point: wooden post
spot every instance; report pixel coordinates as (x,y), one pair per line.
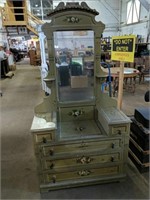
(120,89)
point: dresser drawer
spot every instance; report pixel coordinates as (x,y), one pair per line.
(58,164)
(113,121)
(119,129)
(43,137)
(78,174)
(77,113)
(79,147)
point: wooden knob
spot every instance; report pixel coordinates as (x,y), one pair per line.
(113,146)
(52,166)
(112,159)
(44,140)
(54,178)
(51,152)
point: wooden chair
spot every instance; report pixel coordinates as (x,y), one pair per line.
(37,60)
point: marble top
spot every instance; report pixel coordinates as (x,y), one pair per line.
(40,124)
(114,115)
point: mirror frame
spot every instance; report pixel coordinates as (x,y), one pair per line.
(72,17)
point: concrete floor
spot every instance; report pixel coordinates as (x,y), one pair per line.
(19,178)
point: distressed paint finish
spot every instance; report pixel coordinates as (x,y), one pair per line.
(89,141)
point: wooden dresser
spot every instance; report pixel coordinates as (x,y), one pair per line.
(85,159)
(79,136)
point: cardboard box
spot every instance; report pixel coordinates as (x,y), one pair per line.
(12,67)
(79,81)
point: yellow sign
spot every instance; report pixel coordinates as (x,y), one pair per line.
(123,48)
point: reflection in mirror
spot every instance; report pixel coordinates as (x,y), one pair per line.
(74,53)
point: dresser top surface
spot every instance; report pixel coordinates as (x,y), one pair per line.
(40,124)
(114,116)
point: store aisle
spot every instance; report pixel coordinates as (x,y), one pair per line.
(18,169)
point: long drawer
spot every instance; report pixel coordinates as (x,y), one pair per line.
(79,160)
(78,174)
(81,146)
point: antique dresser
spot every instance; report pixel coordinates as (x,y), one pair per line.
(79,135)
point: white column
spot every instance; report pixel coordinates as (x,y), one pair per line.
(1,28)
(44,67)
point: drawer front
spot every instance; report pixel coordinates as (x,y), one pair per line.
(79,174)
(119,129)
(82,146)
(58,164)
(43,137)
(77,113)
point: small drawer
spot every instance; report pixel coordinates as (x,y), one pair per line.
(118,130)
(83,173)
(74,113)
(43,137)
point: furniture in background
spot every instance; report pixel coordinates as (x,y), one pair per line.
(5,70)
(143,72)
(130,75)
(139,150)
(76,69)
(4,67)
(32,54)
(17,54)
(35,58)
(64,74)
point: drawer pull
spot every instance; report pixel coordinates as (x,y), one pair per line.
(119,132)
(44,140)
(79,128)
(113,145)
(54,178)
(84,172)
(112,158)
(51,166)
(83,145)
(51,152)
(84,160)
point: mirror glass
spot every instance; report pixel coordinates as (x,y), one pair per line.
(74,57)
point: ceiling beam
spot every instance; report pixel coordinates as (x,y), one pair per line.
(145,4)
(109,8)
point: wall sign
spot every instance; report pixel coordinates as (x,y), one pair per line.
(123,48)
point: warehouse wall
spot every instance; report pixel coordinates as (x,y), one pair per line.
(113,14)
(108,13)
(140,28)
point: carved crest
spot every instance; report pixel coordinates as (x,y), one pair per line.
(73,6)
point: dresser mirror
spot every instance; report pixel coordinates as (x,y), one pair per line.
(74,53)
(74,63)
(74,77)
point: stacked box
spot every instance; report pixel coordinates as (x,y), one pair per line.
(139,139)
